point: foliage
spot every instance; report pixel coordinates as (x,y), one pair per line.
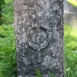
(70,50)
(8,1)
(1,6)
(51,74)
(73,2)
(7,12)
(38,74)
(7,52)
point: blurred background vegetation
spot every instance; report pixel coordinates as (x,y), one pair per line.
(8,67)
(7,40)
(73,2)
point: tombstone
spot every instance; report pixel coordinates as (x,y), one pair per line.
(70,14)
(39,37)
(70,19)
(66,6)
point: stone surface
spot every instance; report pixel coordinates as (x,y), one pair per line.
(39,37)
(70,18)
(70,14)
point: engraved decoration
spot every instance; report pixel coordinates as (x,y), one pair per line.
(38,38)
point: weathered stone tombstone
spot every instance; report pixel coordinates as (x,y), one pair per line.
(39,37)
(70,18)
(70,14)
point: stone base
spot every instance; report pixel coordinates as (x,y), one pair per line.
(70,18)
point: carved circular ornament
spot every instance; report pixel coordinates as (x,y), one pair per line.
(38,38)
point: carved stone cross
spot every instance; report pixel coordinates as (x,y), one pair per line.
(39,37)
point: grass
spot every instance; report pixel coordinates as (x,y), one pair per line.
(70,50)
(7,51)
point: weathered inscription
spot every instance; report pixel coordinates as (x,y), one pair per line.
(38,38)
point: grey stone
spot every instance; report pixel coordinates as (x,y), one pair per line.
(39,37)
(70,14)
(70,18)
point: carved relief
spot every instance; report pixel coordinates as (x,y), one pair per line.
(38,37)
